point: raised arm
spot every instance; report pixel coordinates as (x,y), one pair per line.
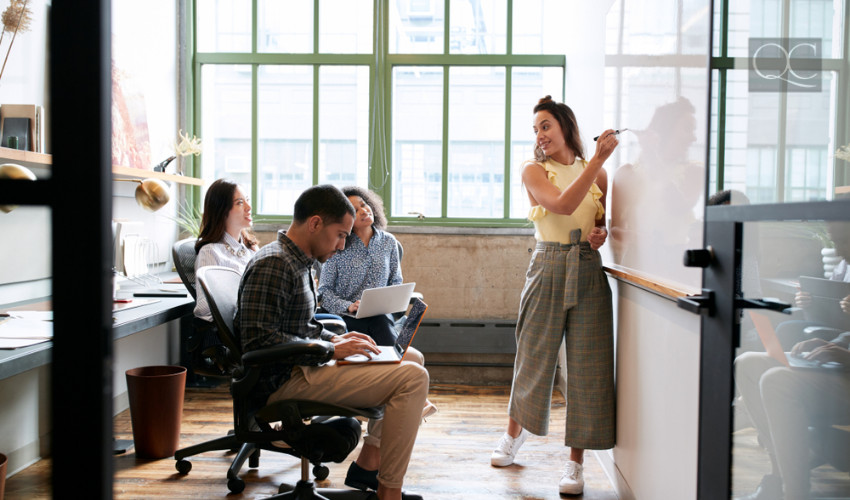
(544,193)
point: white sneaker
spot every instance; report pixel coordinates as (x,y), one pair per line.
(572,480)
(506,450)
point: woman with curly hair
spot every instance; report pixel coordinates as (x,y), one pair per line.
(370,260)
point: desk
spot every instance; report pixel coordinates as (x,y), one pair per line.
(128,322)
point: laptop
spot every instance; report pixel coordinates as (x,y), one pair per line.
(826,295)
(773,347)
(394,353)
(384,300)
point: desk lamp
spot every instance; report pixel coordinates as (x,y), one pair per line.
(151,194)
(13,171)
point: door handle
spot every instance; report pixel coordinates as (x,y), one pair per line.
(700,257)
(698,304)
(765,303)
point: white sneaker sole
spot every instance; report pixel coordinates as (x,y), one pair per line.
(571,490)
(501,461)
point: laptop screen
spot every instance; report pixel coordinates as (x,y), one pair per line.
(414,317)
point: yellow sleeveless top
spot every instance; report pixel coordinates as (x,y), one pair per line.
(556,227)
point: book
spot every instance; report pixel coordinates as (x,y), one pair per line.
(16,130)
(36,125)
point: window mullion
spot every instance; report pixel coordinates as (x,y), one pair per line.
(506,178)
(444,210)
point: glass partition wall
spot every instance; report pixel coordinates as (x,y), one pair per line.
(775,327)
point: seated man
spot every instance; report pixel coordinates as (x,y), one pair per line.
(781,402)
(277,304)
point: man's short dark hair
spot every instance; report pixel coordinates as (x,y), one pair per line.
(326,201)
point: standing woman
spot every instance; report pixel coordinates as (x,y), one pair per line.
(224,240)
(370,260)
(566,296)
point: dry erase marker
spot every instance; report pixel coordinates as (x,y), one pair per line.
(616,132)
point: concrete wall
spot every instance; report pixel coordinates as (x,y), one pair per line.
(463,276)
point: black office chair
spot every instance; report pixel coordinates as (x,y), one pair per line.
(322,440)
(183,253)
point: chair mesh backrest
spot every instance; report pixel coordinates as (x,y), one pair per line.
(184,256)
(221,286)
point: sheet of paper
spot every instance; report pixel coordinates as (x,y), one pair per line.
(14,328)
(16,343)
(36,315)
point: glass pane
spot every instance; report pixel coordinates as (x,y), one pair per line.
(657,171)
(528,85)
(417,140)
(476,165)
(226,122)
(478,27)
(344,125)
(792,386)
(416,27)
(537,27)
(804,166)
(662,31)
(285,27)
(808,18)
(284,136)
(223,25)
(345,26)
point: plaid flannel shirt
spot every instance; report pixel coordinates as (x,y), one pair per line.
(277,304)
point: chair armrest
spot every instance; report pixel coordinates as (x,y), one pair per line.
(295,351)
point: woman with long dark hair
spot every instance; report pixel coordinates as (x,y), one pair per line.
(566,297)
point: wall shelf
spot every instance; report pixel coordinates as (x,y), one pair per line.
(138,173)
(25,156)
(16,155)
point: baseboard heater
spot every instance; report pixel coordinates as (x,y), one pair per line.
(466,336)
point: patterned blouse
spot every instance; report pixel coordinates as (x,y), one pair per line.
(229,252)
(358,267)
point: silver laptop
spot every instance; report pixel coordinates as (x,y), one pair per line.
(395,353)
(384,300)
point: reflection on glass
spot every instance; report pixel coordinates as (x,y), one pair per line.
(226,122)
(223,25)
(478,27)
(660,31)
(416,27)
(537,27)
(417,140)
(476,165)
(661,183)
(345,26)
(528,85)
(754,160)
(284,26)
(792,372)
(344,125)
(285,136)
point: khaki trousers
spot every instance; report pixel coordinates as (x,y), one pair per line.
(400,388)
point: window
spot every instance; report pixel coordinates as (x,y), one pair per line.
(777,147)
(429,106)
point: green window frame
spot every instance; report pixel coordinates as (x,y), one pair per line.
(381,65)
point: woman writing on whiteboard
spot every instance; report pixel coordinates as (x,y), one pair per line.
(370,260)
(566,297)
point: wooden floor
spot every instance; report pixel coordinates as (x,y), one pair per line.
(451,459)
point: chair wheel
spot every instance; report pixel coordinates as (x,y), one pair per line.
(235,485)
(321,472)
(254,459)
(183,466)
